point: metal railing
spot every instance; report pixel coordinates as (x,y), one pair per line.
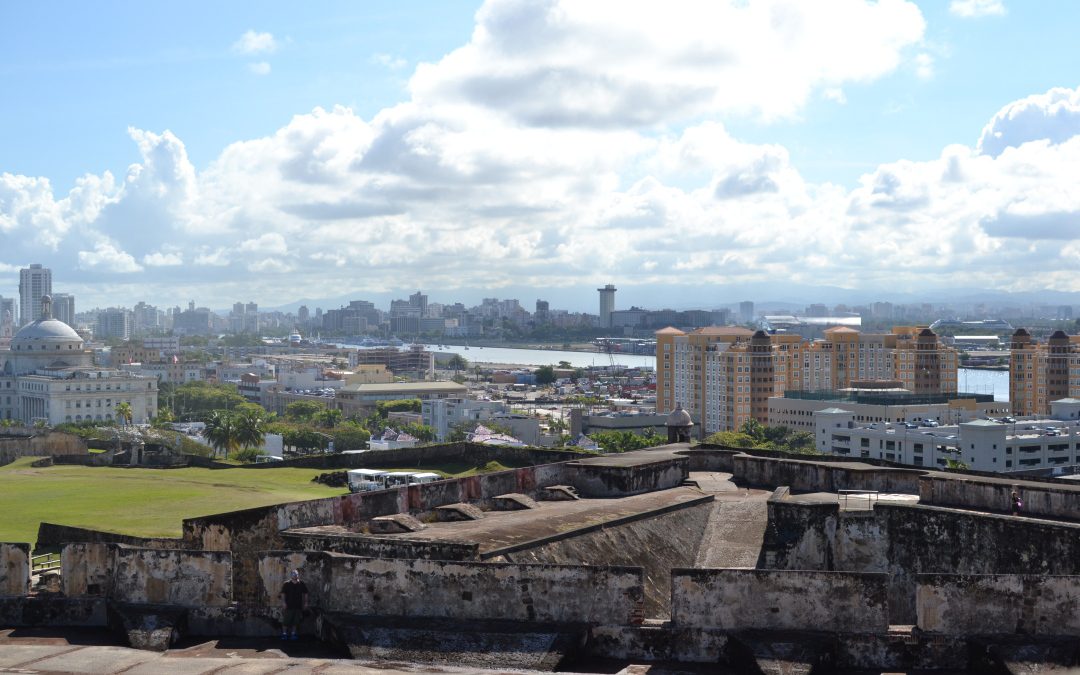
(853,499)
(46,562)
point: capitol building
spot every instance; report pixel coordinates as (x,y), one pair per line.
(47,375)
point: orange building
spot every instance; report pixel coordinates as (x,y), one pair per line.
(1041,373)
(725,376)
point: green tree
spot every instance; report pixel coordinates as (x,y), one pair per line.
(421,432)
(624,441)
(124,413)
(730,439)
(196,400)
(545,374)
(246,455)
(564,365)
(163,420)
(303,411)
(754,429)
(384,408)
(250,428)
(457,362)
(350,436)
(222,432)
(328,418)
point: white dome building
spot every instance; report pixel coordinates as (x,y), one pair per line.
(48,375)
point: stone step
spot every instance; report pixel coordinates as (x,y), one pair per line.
(559,493)
(457,512)
(397,523)
(514,501)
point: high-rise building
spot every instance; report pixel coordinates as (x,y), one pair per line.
(63,308)
(1042,372)
(113,323)
(607,304)
(7,317)
(725,376)
(34,282)
(543,311)
(746,311)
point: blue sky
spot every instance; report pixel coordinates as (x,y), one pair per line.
(263,151)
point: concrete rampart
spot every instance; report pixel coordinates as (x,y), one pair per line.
(812,476)
(179,578)
(742,599)
(904,541)
(483,591)
(954,604)
(428,455)
(611,478)
(14,570)
(51,535)
(711,458)
(994,494)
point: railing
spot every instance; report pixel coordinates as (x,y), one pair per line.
(853,499)
(46,562)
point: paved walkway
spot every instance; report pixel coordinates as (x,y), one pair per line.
(736,527)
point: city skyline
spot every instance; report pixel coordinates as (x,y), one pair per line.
(711,153)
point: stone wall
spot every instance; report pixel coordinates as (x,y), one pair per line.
(1056,500)
(606,480)
(426,456)
(905,541)
(656,542)
(483,591)
(51,535)
(18,442)
(954,604)
(742,599)
(180,578)
(14,570)
(810,476)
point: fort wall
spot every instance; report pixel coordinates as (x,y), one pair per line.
(742,599)
(995,604)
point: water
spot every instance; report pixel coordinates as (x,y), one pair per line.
(977,381)
(544,357)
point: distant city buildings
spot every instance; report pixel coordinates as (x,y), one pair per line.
(63,305)
(1042,372)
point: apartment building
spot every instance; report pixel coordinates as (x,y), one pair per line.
(724,376)
(1042,372)
(795,409)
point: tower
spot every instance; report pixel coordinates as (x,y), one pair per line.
(34,282)
(63,308)
(607,304)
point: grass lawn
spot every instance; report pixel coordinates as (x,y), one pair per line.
(152,502)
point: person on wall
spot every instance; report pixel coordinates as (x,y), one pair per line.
(295,594)
(1017,504)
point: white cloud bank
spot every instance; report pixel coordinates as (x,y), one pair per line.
(568,144)
(253,42)
(971,9)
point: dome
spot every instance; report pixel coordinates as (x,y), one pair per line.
(46,331)
(679,417)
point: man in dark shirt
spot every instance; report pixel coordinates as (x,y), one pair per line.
(295,594)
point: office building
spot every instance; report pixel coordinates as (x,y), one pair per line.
(607,304)
(34,283)
(746,311)
(1038,445)
(113,323)
(8,317)
(63,307)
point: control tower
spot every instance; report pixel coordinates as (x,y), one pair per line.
(607,304)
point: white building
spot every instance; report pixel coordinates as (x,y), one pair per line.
(796,411)
(1033,445)
(34,283)
(443,414)
(48,375)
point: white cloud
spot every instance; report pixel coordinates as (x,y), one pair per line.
(1053,117)
(924,66)
(835,94)
(970,9)
(631,63)
(253,42)
(389,61)
(259,68)
(162,259)
(105,255)
(449,190)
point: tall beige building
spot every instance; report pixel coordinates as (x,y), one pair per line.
(1042,372)
(724,376)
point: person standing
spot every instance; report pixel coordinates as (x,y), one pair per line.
(294,593)
(1017,504)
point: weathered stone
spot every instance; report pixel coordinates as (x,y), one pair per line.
(514,502)
(395,524)
(457,512)
(558,493)
(14,570)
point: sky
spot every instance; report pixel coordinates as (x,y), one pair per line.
(223,152)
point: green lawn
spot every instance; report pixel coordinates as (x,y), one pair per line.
(151,502)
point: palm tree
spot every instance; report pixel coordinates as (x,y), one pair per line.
(124,413)
(222,431)
(329,418)
(250,429)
